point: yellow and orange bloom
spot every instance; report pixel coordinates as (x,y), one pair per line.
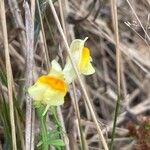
(81,57)
(49,89)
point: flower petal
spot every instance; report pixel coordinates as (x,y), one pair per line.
(53,97)
(88,69)
(56,70)
(69,72)
(53,82)
(48,90)
(84,64)
(37,91)
(84,58)
(76,48)
(56,65)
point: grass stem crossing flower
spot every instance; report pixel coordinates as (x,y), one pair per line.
(81,57)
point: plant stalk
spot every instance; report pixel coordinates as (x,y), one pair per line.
(43,128)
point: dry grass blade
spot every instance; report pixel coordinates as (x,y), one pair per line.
(62,17)
(44,37)
(9,73)
(33,9)
(29,74)
(33,2)
(18,22)
(76,108)
(115,23)
(118,64)
(59,109)
(138,19)
(65,138)
(80,81)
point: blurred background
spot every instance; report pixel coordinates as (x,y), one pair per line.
(32,31)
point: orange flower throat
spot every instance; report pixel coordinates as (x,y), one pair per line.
(53,82)
(85,56)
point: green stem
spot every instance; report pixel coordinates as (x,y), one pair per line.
(115,121)
(43,128)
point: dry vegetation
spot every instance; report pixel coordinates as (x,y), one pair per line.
(79,19)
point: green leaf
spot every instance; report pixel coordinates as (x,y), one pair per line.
(57,142)
(39,144)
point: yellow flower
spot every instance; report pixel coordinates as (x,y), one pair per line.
(49,89)
(81,57)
